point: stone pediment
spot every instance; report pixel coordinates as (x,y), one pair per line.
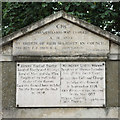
(61,35)
(60,38)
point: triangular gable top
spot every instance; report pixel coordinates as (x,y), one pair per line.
(58,15)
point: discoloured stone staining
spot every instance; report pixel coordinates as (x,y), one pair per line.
(112,83)
(8,85)
(0,90)
(7,49)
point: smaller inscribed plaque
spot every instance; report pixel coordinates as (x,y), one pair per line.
(60,84)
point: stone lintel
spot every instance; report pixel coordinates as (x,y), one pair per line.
(54,58)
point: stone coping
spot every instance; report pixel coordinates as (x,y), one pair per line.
(52,18)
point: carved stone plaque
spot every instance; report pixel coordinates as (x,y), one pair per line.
(61,38)
(60,84)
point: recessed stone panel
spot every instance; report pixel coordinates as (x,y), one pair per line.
(61,38)
(60,84)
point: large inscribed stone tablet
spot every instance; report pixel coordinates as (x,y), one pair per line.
(61,38)
(60,84)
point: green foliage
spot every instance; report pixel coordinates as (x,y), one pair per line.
(18,15)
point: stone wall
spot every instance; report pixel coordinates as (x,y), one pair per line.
(89,36)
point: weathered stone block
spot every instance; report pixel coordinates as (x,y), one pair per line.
(112,83)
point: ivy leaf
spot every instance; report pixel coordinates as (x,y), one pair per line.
(44,4)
